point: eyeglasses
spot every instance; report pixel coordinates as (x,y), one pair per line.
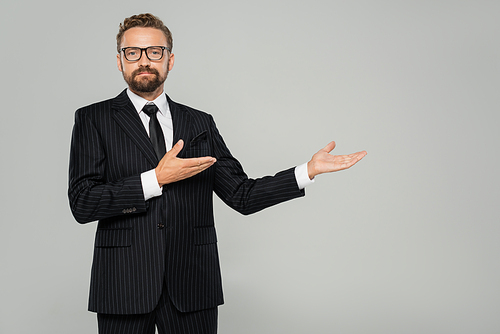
(152,52)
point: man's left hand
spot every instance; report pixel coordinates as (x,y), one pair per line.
(324,162)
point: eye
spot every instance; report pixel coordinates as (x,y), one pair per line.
(155,51)
(131,52)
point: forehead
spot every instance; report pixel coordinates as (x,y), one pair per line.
(143,37)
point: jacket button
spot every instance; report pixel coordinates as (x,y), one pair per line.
(160,226)
(129,210)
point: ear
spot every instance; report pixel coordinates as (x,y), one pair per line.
(119,63)
(171,60)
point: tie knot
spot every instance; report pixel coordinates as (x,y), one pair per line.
(150,109)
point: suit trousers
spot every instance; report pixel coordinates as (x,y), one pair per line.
(166,317)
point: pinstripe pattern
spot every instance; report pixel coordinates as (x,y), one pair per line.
(166,318)
(133,253)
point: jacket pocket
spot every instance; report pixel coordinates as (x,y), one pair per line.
(113,237)
(201,137)
(205,235)
(198,146)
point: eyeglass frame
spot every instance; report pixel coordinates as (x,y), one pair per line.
(163,48)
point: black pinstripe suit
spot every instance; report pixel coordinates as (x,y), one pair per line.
(141,244)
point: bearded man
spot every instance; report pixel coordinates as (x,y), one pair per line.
(146,168)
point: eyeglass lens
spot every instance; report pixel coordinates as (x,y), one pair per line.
(153,53)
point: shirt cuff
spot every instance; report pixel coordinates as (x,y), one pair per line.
(302,176)
(150,186)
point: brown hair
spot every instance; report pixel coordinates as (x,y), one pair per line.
(143,21)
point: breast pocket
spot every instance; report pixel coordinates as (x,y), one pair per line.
(198,146)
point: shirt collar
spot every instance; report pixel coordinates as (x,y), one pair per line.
(140,102)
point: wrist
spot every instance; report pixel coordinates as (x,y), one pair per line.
(310,170)
(158,178)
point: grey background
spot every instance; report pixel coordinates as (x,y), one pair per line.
(405,242)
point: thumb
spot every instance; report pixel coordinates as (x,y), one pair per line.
(328,148)
(177,148)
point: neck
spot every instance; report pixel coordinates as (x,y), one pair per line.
(150,96)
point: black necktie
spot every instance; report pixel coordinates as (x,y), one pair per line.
(155,133)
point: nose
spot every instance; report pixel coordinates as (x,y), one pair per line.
(144,60)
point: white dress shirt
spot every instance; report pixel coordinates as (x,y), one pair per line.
(150,186)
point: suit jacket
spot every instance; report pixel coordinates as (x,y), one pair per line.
(141,244)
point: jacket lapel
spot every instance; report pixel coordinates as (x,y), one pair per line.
(181,122)
(127,118)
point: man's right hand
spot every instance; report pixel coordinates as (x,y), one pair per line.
(172,169)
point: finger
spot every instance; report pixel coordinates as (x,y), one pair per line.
(206,164)
(200,166)
(177,148)
(356,157)
(197,162)
(359,155)
(328,148)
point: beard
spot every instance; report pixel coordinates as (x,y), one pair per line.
(147,84)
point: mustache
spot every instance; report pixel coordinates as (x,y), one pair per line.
(144,69)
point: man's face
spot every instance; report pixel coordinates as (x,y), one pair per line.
(145,77)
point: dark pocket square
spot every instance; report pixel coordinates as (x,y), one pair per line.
(199,138)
